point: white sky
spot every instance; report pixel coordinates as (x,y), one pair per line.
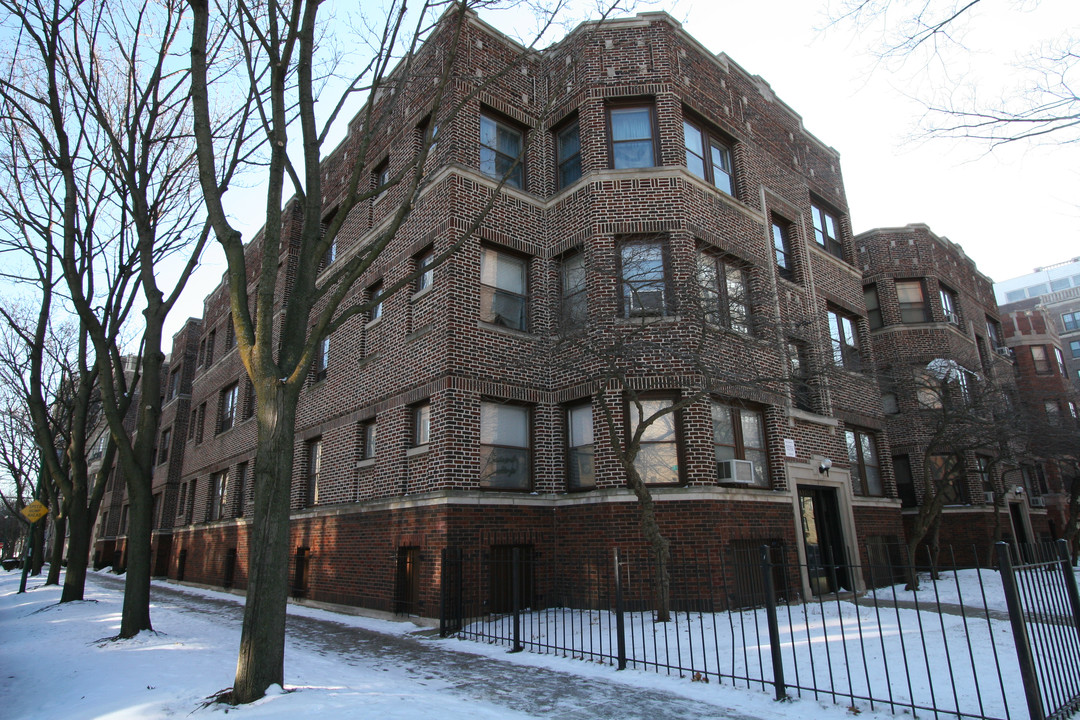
(1011,209)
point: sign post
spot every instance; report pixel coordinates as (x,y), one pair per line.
(32,512)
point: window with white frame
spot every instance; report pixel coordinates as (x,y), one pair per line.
(949,306)
(845,340)
(424,265)
(503,289)
(421,424)
(314,470)
(219,495)
(708,156)
(322,359)
(368,432)
(574,306)
(501,146)
(227,407)
(504,447)
(827,229)
(579,453)
(657,460)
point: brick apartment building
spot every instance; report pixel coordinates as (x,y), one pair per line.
(658,180)
(1051,403)
(1056,290)
(937,338)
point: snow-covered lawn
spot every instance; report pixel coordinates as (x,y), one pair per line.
(56,663)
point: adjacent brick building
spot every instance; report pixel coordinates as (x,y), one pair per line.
(941,354)
(665,196)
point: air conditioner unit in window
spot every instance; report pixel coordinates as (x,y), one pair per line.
(988,498)
(1004,351)
(1036,501)
(735,471)
(953,318)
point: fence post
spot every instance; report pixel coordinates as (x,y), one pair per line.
(620,622)
(516,580)
(1070,579)
(1020,636)
(774,628)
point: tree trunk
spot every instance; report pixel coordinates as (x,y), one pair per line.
(37,553)
(78,546)
(261,662)
(136,613)
(660,545)
(56,558)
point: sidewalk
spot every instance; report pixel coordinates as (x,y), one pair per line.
(520,688)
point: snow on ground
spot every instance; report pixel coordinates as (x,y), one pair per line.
(56,662)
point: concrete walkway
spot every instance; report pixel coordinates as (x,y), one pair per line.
(540,692)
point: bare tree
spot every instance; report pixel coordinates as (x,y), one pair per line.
(413,57)
(103,105)
(1042,107)
(670,344)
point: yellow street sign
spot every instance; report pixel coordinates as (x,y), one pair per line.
(35,511)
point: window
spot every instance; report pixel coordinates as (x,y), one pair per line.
(574,307)
(200,422)
(322,359)
(948,306)
(1040,359)
(993,331)
(367,440)
(909,293)
(724,294)
(181,502)
(250,401)
(1060,361)
(1074,410)
(946,472)
(982,469)
(873,307)
(163,447)
(373,292)
(862,454)
(227,407)
(219,495)
(568,153)
(657,460)
(174,384)
(427,270)
(210,347)
(631,137)
(845,340)
(421,417)
(503,289)
(380,178)
(330,255)
(802,393)
(1071,321)
(890,404)
(1074,348)
(827,229)
(241,482)
(580,473)
(905,482)
(501,151)
(781,236)
(739,434)
(643,279)
(504,446)
(230,334)
(191,499)
(1053,411)
(202,352)
(708,157)
(314,468)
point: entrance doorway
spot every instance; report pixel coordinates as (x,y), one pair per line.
(823,540)
(1023,542)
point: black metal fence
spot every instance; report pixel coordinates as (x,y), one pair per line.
(757,616)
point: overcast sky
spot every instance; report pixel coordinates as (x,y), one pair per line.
(1011,209)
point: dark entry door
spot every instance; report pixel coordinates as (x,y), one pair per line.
(823,540)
